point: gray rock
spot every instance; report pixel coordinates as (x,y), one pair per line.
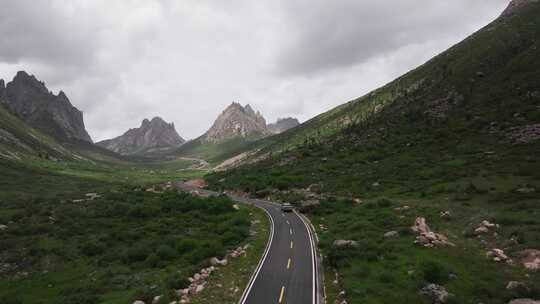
(524,301)
(236,121)
(436,293)
(345,243)
(391,234)
(515,285)
(282,125)
(151,136)
(30,100)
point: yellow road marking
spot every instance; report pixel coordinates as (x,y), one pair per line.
(281,294)
(291,244)
(290,230)
(289,264)
(288,223)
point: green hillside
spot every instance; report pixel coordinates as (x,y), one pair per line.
(215,153)
(18,140)
(461,134)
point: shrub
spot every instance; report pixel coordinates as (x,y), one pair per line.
(166,252)
(384,203)
(434,272)
(176,281)
(92,248)
(185,246)
(136,253)
(152,260)
(387,277)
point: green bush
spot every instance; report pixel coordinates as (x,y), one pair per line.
(166,252)
(434,272)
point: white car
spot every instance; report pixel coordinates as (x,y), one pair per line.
(286,207)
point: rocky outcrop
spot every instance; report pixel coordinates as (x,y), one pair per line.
(515,6)
(436,293)
(530,259)
(428,238)
(151,136)
(498,255)
(524,301)
(282,125)
(30,100)
(345,244)
(236,121)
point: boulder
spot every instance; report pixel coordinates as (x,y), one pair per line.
(217,262)
(524,301)
(420,226)
(446,215)
(156,299)
(498,255)
(481,230)
(428,238)
(345,243)
(391,234)
(530,259)
(199,288)
(3,227)
(403,209)
(515,285)
(138,302)
(436,293)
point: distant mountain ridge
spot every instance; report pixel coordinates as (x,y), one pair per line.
(153,135)
(242,121)
(282,125)
(236,121)
(30,100)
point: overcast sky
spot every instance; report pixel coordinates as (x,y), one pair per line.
(186,60)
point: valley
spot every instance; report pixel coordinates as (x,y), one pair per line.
(425,190)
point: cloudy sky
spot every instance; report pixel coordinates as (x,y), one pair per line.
(186,60)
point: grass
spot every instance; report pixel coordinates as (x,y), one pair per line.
(215,153)
(227,285)
(127,245)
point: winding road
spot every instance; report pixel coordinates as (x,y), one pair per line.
(288,270)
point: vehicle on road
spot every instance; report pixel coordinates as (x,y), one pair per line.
(286,207)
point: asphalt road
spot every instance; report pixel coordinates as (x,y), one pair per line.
(287,272)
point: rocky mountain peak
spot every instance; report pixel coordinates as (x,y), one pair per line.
(153,135)
(29,99)
(516,5)
(282,125)
(236,121)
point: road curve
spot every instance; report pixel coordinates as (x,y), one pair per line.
(287,272)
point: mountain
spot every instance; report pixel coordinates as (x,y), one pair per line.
(18,140)
(153,135)
(236,121)
(29,99)
(454,142)
(282,125)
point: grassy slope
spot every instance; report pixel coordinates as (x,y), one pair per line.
(113,249)
(19,139)
(216,153)
(462,161)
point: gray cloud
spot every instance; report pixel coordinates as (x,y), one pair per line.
(322,36)
(122,61)
(40,31)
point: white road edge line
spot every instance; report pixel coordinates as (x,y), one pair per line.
(315,277)
(263,259)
